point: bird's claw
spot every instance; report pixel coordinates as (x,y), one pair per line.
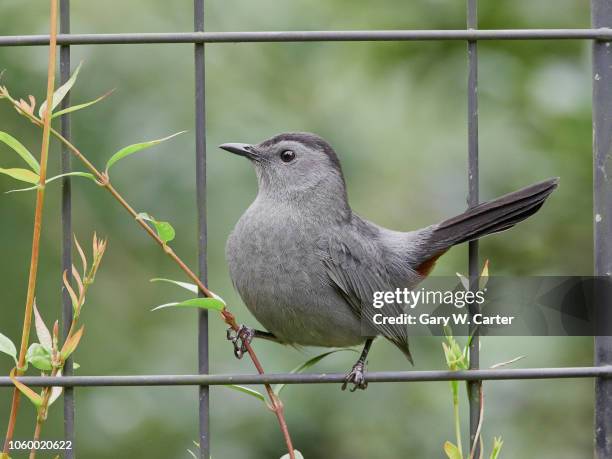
(356,377)
(240,338)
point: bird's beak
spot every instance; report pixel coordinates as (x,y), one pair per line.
(241,149)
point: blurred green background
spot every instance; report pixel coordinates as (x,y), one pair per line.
(396,114)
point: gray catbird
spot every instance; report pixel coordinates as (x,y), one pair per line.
(307,266)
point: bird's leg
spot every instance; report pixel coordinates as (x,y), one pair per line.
(267,336)
(245,335)
(357,374)
(240,338)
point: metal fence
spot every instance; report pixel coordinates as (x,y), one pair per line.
(600,33)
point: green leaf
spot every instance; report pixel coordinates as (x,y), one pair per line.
(52,179)
(508,362)
(60,92)
(484,275)
(187,286)
(204,303)
(56,391)
(42,332)
(71,344)
(164,230)
(74,108)
(497,445)
(456,357)
(35,398)
(451,450)
(145,216)
(7,347)
(306,365)
(247,390)
(482,280)
(131,149)
(39,356)
(25,175)
(296,453)
(20,150)
(72,174)
(465,282)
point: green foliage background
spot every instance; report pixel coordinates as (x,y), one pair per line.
(396,114)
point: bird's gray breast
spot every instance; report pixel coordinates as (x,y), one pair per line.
(275,259)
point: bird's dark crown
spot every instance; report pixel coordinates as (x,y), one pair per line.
(309,140)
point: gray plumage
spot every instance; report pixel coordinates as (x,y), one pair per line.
(307,266)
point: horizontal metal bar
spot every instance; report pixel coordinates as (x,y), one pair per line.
(313,378)
(301,36)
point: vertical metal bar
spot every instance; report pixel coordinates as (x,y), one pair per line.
(474,387)
(200,121)
(602,197)
(66,226)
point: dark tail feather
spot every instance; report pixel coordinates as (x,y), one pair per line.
(493,216)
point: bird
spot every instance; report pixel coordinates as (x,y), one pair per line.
(307,266)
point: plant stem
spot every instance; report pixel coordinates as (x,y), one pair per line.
(40,200)
(36,437)
(104,181)
(41,416)
(455,389)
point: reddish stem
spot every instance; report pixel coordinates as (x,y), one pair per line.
(40,200)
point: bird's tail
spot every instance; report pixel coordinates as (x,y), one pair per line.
(486,218)
(493,216)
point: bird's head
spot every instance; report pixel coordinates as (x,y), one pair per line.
(294,164)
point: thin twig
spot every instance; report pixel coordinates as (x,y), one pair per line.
(41,416)
(40,200)
(104,181)
(455,390)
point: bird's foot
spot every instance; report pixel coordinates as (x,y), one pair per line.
(356,377)
(240,338)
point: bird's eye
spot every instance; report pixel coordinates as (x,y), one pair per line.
(287,156)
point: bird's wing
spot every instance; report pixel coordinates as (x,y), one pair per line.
(356,267)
